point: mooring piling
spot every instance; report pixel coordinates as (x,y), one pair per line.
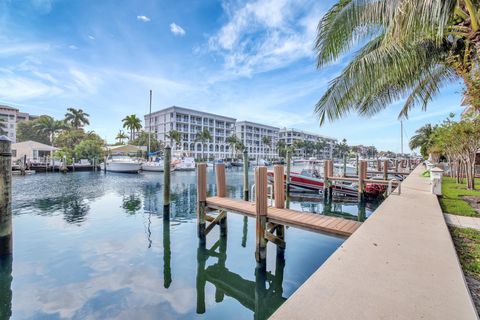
(166,182)
(5,196)
(385,170)
(245,175)
(261,205)
(289,163)
(221,192)
(279,197)
(201,199)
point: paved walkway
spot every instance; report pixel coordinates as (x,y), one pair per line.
(462,221)
(400,264)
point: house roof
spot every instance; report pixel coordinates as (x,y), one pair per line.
(33,145)
(125,148)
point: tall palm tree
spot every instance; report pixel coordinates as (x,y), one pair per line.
(320,146)
(132,123)
(409,50)
(49,126)
(77,118)
(121,136)
(175,136)
(423,139)
(204,136)
(232,142)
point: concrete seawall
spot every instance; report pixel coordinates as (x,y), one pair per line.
(400,264)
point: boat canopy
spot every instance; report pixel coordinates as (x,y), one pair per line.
(125,148)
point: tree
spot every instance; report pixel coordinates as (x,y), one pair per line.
(77,118)
(282,148)
(121,136)
(342,148)
(142,140)
(409,49)
(26,130)
(89,149)
(175,136)
(132,123)
(423,139)
(319,146)
(204,136)
(232,142)
(49,126)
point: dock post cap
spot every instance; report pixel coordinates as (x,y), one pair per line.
(5,138)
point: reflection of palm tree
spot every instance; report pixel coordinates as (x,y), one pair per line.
(132,204)
(6,287)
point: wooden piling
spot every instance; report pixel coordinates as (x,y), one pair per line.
(356,164)
(396,165)
(5,196)
(361,178)
(166,181)
(279,194)
(245,175)
(379,165)
(221,192)
(201,199)
(261,204)
(325,179)
(289,162)
(385,170)
(344,165)
(330,174)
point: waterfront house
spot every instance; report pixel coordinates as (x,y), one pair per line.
(35,151)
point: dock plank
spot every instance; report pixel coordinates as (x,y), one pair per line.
(304,220)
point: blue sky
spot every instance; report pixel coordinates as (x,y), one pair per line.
(252,60)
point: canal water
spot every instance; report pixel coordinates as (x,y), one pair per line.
(95,246)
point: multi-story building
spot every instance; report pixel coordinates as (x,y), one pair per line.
(10,117)
(299,137)
(260,140)
(190,123)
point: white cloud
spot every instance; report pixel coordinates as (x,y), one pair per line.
(264,35)
(143,18)
(44,6)
(73,47)
(22,89)
(12,49)
(91,37)
(176,29)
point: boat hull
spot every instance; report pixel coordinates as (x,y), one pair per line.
(123,167)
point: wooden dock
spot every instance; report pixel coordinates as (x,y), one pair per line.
(287,217)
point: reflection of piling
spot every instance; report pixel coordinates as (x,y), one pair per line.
(201,278)
(5,196)
(325,179)
(202,200)
(261,204)
(167,254)
(245,175)
(244,231)
(166,181)
(6,287)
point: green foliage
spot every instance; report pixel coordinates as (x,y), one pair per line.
(175,136)
(142,140)
(132,123)
(48,126)
(423,139)
(89,149)
(452,199)
(410,49)
(426,174)
(467,243)
(76,118)
(27,130)
(120,137)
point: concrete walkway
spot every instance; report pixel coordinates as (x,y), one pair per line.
(400,264)
(462,221)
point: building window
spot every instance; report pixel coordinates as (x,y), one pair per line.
(14,153)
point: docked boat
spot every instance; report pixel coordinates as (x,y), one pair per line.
(185,164)
(123,164)
(236,163)
(156,166)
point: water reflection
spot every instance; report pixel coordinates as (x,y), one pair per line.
(6,287)
(131,203)
(262,296)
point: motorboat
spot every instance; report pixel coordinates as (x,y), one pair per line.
(185,164)
(123,164)
(156,166)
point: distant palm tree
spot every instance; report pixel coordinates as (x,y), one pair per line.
(132,123)
(232,142)
(77,118)
(408,49)
(174,136)
(49,126)
(319,146)
(423,139)
(204,136)
(121,136)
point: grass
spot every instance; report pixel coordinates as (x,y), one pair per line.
(451,200)
(467,243)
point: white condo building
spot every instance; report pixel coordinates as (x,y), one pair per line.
(253,137)
(189,123)
(11,116)
(289,136)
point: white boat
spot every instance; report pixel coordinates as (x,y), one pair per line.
(185,164)
(155,166)
(123,164)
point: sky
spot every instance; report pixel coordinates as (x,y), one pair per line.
(251,60)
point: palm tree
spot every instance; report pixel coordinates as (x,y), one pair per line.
(121,136)
(410,49)
(267,141)
(77,118)
(423,139)
(319,146)
(232,141)
(203,137)
(175,136)
(132,123)
(49,126)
